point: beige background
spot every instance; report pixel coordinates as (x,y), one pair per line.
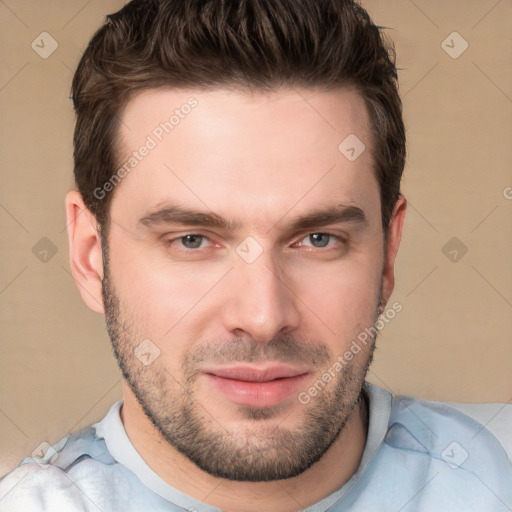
(452,339)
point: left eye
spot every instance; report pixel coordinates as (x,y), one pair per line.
(319,240)
(192,241)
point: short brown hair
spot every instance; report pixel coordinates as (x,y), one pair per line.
(241,44)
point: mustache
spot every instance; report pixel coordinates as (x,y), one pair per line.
(283,348)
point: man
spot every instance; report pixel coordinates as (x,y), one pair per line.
(236,220)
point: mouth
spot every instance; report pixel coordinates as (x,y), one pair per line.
(255,386)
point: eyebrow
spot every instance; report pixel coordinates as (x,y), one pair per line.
(179,215)
(320,217)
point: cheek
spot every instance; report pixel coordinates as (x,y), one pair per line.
(344,296)
(160,296)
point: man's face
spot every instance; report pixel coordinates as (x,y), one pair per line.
(223,301)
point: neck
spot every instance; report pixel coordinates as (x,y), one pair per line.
(325,476)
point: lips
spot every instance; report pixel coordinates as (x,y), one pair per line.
(249,374)
(256,386)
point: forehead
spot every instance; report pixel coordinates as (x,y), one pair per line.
(253,154)
(257,113)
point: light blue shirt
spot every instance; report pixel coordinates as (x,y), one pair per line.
(419,456)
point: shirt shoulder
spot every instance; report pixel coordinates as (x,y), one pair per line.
(434,456)
(495,417)
(38,481)
(35,488)
(473,438)
(78,474)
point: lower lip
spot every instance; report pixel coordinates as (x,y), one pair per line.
(257,394)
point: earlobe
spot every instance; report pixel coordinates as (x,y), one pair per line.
(85,256)
(394,236)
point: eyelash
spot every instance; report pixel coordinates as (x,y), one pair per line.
(338,238)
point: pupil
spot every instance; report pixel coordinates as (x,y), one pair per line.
(192,241)
(316,239)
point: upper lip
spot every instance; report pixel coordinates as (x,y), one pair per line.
(256,374)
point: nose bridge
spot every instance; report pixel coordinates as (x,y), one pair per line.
(261,303)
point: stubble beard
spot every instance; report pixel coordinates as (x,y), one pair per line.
(258,450)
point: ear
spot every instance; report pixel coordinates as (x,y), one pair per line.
(394,236)
(85,257)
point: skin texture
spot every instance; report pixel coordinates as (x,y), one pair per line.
(282,296)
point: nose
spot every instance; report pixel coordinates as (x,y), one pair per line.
(259,300)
